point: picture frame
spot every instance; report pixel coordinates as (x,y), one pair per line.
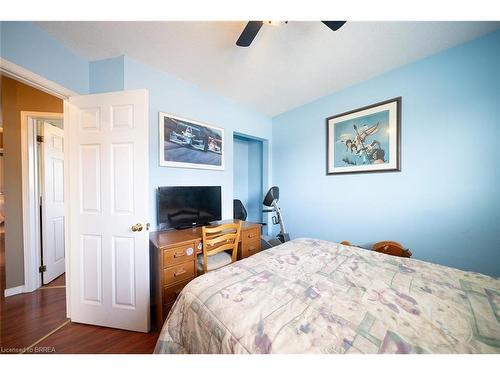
(185,143)
(365,140)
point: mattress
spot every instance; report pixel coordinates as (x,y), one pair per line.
(314,296)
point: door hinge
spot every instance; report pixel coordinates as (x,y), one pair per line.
(39,138)
(42,269)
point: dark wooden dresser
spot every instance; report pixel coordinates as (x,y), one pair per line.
(173,262)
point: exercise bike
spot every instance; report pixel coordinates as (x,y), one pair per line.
(271,200)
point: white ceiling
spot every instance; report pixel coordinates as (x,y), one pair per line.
(286,66)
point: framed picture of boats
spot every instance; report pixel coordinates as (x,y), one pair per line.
(190,144)
(365,140)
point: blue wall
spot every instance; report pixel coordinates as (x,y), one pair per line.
(240,174)
(444,204)
(28,46)
(24,44)
(107,75)
(255,186)
(172,95)
(247,177)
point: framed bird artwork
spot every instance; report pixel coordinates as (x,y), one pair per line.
(365,140)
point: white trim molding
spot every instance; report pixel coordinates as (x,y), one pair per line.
(26,76)
(30,78)
(67,212)
(31,224)
(13,291)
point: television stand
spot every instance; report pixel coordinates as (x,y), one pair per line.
(173,261)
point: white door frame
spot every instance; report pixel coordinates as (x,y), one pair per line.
(30,194)
(30,78)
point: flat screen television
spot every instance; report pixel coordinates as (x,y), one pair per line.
(187,206)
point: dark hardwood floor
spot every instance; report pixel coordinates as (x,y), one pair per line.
(29,316)
(2,262)
(36,323)
(86,339)
(60,281)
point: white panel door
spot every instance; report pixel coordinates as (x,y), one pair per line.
(52,178)
(109,184)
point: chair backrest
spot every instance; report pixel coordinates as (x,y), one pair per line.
(220,238)
(239,211)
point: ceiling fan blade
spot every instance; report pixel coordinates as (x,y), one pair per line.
(249,33)
(334,25)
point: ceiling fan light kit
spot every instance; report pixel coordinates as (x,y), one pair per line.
(274,23)
(252,28)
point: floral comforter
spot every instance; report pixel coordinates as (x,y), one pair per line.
(313,296)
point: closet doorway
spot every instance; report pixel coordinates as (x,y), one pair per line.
(248,166)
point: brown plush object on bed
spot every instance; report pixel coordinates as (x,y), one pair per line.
(392,248)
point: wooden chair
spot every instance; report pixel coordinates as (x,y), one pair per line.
(216,242)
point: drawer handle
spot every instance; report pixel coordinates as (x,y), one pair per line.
(251,248)
(178,273)
(251,235)
(178,255)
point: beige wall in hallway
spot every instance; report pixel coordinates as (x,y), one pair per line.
(17,97)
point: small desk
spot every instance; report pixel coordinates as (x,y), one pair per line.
(173,261)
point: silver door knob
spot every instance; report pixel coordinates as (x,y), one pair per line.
(137,227)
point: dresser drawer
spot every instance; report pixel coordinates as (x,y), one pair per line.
(180,272)
(178,255)
(250,247)
(250,235)
(171,292)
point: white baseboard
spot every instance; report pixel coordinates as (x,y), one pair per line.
(13,291)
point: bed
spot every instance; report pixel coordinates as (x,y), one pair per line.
(314,296)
